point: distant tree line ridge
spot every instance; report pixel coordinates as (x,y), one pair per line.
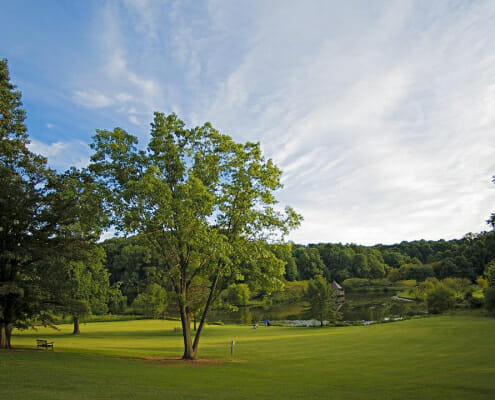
(463,258)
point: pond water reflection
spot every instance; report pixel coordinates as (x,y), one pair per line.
(357,307)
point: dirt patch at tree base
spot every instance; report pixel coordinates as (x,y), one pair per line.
(179,361)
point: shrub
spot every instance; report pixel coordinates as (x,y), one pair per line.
(439,299)
(475,301)
(481,282)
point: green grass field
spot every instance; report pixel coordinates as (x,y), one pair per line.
(430,358)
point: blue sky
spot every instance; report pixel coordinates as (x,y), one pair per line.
(381,114)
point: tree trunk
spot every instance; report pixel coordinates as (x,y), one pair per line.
(194,321)
(205,313)
(76,326)
(5,334)
(185,318)
(8,332)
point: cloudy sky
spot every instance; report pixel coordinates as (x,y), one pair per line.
(380,113)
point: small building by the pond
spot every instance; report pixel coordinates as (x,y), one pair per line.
(340,291)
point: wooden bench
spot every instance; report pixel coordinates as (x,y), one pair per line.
(43,343)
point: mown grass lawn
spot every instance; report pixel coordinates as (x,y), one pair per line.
(430,358)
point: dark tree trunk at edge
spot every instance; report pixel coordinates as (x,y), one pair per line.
(5,335)
(76,326)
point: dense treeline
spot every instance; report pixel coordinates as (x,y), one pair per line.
(418,260)
(134,266)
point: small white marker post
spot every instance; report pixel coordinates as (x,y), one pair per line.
(232,344)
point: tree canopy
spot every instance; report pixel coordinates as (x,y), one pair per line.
(26,225)
(203,202)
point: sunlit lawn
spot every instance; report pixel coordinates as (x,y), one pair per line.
(430,358)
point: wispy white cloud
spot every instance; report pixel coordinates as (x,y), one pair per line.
(117,82)
(133,119)
(382,115)
(92,98)
(63,154)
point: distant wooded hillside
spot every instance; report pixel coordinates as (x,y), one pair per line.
(463,258)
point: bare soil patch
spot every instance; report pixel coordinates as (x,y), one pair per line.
(179,361)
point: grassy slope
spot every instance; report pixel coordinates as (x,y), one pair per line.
(432,358)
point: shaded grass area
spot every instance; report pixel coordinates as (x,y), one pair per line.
(434,358)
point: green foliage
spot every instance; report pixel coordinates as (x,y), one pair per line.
(362,284)
(490,274)
(116,300)
(79,281)
(439,299)
(237,294)
(283,251)
(394,275)
(490,298)
(475,298)
(25,220)
(309,263)
(292,292)
(322,300)
(152,302)
(420,272)
(132,263)
(395,259)
(459,285)
(291,270)
(482,282)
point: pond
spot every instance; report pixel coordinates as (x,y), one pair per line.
(357,307)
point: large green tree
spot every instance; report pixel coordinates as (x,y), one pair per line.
(26,222)
(203,202)
(78,280)
(44,217)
